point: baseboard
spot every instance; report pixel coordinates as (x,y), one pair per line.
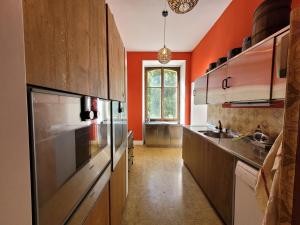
(138,142)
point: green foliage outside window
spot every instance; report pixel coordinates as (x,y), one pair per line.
(162,94)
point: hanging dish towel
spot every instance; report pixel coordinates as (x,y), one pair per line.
(268,185)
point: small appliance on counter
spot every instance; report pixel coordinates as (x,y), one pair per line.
(259,139)
(69,151)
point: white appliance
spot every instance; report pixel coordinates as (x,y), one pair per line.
(246,207)
(198,112)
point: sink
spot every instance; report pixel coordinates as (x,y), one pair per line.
(216,134)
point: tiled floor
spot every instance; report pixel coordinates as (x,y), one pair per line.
(162,191)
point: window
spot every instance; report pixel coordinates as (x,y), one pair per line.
(162,94)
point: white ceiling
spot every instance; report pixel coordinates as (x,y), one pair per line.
(141,24)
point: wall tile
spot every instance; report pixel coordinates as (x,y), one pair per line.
(246,120)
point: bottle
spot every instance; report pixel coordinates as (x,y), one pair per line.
(258,129)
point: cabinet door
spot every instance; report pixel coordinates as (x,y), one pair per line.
(280,66)
(65,45)
(216,92)
(116,60)
(78,46)
(220,181)
(98,85)
(151,134)
(118,191)
(186,147)
(45,43)
(100,213)
(200,156)
(250,74)
(200,90)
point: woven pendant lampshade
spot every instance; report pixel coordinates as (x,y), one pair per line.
(182,6)
(164,55)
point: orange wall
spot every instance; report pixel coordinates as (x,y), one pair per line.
(227,33)
(134,71)
(295,3)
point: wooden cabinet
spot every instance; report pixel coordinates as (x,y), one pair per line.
(200,90)
(280,66)
(219,185)
(118,191)
(65,45)
(100,213)
(116,60)
(213,170)
(216,86)
(249,75)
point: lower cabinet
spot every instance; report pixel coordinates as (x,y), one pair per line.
(100,213)
(118,191)
(163,135)
(213,170)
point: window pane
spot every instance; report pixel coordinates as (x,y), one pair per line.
(153,103)
(170,78)
(170,103)
(154,78)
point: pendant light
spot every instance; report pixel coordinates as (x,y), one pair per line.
(182,6)
(164,55)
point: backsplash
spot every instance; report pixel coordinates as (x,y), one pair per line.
(246,120)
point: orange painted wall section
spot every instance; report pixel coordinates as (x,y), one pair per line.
(135,86)
(295,3)
(227,33)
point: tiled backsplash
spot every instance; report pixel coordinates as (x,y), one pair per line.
(246,120)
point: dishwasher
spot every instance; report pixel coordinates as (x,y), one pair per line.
(247,211)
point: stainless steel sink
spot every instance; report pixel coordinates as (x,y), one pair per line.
(216,134)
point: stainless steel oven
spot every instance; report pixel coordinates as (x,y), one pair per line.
(70,149)
(119,131)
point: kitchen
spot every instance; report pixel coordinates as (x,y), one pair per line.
(77,76)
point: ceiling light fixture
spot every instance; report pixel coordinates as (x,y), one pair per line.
(164,55)
(182,6)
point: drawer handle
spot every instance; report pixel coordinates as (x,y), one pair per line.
(227,82)
(223,84)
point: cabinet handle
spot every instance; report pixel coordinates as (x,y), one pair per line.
(223,84)
(227,82)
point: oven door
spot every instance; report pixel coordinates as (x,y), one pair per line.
(67,155)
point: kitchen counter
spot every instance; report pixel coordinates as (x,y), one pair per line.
(162,123)
(163,134)
(241,149)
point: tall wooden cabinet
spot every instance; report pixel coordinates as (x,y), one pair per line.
(65,45)
(118,191)
(116,60)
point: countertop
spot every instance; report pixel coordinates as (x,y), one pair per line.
(162,123)
(242,149)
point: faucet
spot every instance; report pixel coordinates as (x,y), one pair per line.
(220,126)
